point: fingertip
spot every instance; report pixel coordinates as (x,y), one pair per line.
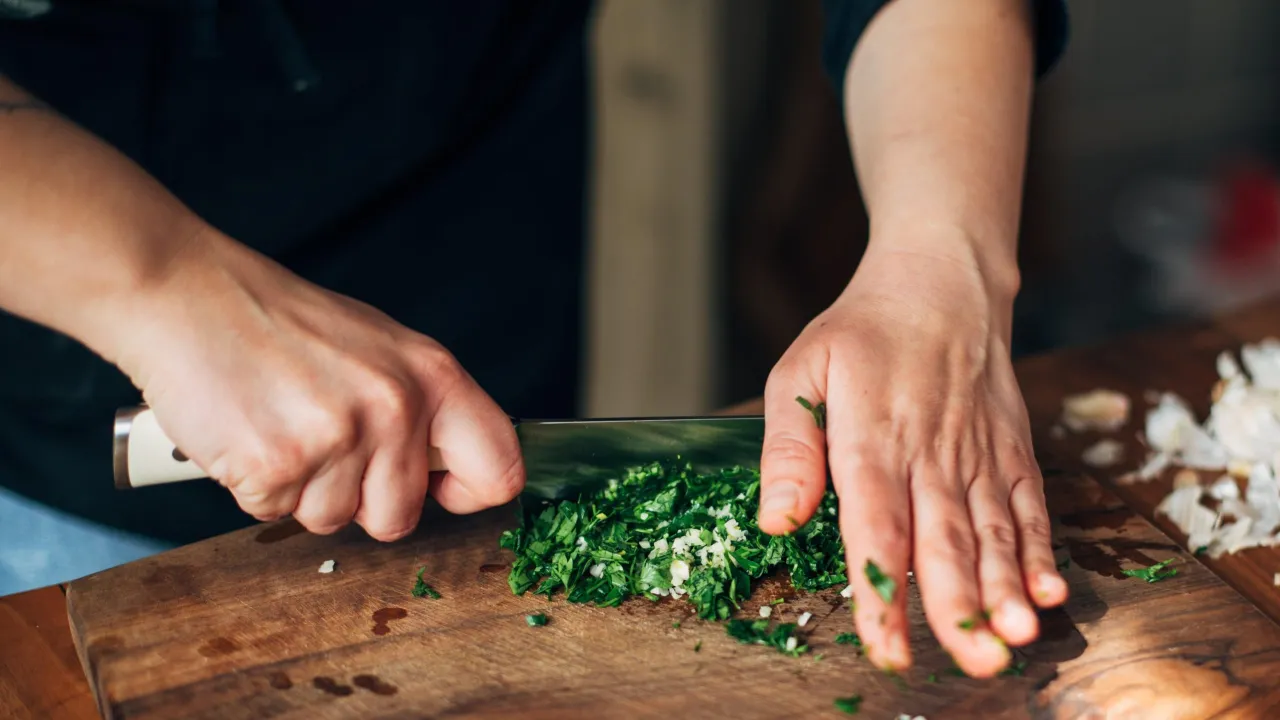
(1016,623)
(781,511)
(1048,589)
(984,654)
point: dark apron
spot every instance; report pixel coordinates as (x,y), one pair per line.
(424,156)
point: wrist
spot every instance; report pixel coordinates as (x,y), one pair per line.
(986,263)
(152,294)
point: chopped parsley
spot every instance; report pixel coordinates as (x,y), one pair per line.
(1016,669)
(819,411)
(422,589)
(849,705)
(537,620)
(884,585)
(697,646)
(973,622)
(667,531)
(757,632)
(1201,550)
(848,638)
(676,624)
(1155,573)
(933,678)
(1064,563)
(777,601)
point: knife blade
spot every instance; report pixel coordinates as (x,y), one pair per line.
(562,457)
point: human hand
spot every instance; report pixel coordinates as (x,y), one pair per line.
(929,448)
(304,402)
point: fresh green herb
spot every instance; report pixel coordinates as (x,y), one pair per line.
(1017,668)
(667,531)
(1201,550)
(849,705)
(819,411)
(777,601)
(1155,573)
(1064,563)
(757,632)
(794,522)
(537,620)
(884,585)
(818,657)
(973,622)
(676,624)
(697,646)
(422,589)
(848,638)
(933,678)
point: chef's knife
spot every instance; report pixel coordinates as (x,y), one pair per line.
(561,457)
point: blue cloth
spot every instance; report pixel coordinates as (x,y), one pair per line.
(40,546)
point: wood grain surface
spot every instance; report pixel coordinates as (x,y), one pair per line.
(40,675)
(1179,360)
(244,626)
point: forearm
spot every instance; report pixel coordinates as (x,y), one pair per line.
(937,100)
(83,230)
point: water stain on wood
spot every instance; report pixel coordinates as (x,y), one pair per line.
(374,684)
(282,531)
(217,647)
(170,582)
(279,680)
(105,645)
(382,617)
(331,686)
(493,567)
(1097,519)
(1104,556)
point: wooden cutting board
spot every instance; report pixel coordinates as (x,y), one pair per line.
(243,626)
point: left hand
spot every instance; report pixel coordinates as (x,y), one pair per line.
(929,448)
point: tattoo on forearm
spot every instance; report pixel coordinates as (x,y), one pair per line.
(11,106)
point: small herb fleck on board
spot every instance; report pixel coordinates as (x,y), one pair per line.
(849,705)
(1155,573)
(537,620)
(421,588)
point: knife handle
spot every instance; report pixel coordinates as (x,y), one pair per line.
(143,455)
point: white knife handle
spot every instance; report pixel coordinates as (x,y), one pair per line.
(143,455)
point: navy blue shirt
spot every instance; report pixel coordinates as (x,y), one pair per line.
(425,156)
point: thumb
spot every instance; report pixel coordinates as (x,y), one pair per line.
(793,463)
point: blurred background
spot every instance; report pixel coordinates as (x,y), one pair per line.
(726,214)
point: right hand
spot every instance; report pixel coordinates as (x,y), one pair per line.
(301,401)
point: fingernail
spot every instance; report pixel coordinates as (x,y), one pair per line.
(1016,613)
(996,646)
(1050,585)
(779,498)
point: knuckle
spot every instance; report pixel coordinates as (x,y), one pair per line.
(391,400)
(891,531)
(785,448)
(951,541)
(277,468)
(998,536)
(508,483)
(388,533)
(331,434)
(439,364)
(1036,530)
